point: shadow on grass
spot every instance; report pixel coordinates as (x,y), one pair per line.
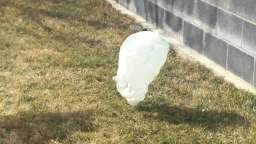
(211,120)
(33,128)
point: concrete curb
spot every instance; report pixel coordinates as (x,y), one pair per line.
(187,52)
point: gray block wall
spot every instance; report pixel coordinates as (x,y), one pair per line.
(222,30)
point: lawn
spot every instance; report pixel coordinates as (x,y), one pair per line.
(57,59)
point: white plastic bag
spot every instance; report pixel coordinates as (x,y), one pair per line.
(140,59)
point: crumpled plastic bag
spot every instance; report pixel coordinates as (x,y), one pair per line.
(141,57)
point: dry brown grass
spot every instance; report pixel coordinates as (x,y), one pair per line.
(57,59)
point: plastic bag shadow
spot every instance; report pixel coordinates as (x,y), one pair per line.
(211,120)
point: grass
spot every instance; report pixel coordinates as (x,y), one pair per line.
(57,59)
